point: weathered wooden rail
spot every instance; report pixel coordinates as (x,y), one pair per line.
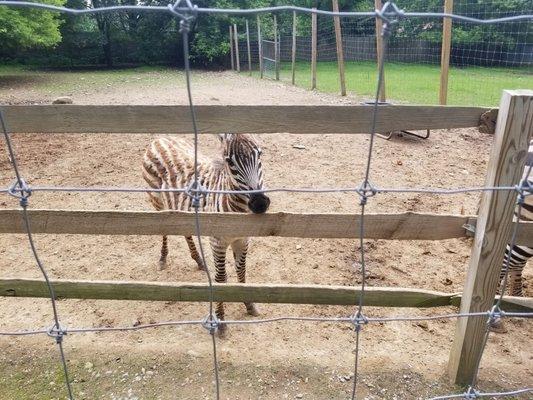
(236,119)
(236,292)
(401,226)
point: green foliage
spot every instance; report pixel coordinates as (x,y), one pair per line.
(29,28)
(153,38)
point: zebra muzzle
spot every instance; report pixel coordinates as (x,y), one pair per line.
(258,203)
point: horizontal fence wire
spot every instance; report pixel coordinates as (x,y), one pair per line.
(186,12)
(386,13)
(259,321)
(375,189)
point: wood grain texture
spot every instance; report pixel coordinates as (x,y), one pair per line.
(260,46)
(248,49)
(293,49)
(236,119)
(313,49)
(236,39)
(276,47)
(232,55)
(514,129)
(260,293)
(445,53)
(379,49)
(403,226)
(340,51)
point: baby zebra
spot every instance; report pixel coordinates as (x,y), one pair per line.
(169,163)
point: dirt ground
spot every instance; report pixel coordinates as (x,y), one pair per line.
(283,360)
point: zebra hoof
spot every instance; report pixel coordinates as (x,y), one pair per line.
(162,265)
(251,309)
(201,266)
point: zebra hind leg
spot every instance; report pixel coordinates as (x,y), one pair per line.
(164,254)
(194,253)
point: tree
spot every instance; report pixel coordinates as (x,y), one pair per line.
(23,28)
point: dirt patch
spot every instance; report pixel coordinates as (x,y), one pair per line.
(269,361)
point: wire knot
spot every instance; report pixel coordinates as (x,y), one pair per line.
(186,14)
(196,192)
(57,332)
(20,190)
(389,14)
(525,188)
(365,191)
(211,323)
(495,314)
(358,320)
(471,393)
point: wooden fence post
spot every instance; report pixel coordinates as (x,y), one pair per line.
(276,47)
(514,129)
(313,49)
(379,49)
(248,48)
(236,39)
(340,51)
(260,47)
(445,53)
(293,60)
(231,47)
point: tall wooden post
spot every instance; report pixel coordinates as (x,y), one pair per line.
(379,49)
(340,51)
(514,129)
(313,49)
(276,46)
(236,39)
(260,46)
(293,58)
(231,47)
(445,52)
(248,48)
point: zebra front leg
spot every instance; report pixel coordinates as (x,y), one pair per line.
(194,253)
(164,254)
(219,247)
(240,250)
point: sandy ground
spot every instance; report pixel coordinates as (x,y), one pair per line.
(269,361)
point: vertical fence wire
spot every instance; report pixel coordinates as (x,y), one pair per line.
(22,192)
(211,323)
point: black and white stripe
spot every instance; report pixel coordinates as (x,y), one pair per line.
(519,255)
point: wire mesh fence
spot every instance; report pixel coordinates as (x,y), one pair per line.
(186,12)
(484,59)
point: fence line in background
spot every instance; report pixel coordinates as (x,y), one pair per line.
(362,42)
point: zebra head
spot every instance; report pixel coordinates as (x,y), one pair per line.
(242,159)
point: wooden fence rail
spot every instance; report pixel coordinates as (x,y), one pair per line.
(236,119)
(402,226)
(237,292)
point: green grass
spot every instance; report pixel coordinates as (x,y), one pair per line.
(416,83)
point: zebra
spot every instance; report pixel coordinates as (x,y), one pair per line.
(169,163)
(518,256)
